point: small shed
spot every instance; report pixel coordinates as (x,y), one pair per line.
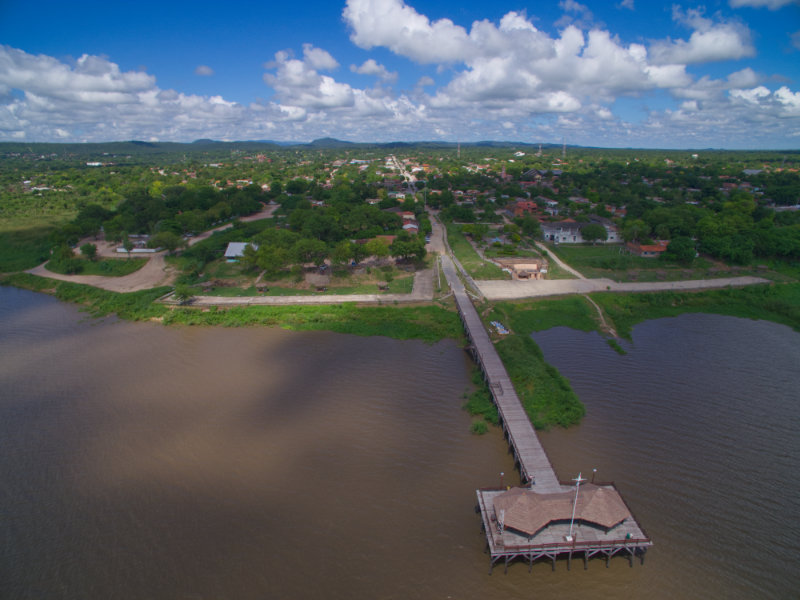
(235,250)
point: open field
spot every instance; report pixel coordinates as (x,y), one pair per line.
(24,242)
(616,263)
(469,259)
(108,267)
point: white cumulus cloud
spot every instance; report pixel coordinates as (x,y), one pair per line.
(371,67)
(204,71)
(708,42)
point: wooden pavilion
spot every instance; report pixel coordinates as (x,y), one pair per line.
(523,524)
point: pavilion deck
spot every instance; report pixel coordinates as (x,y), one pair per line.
(628,538)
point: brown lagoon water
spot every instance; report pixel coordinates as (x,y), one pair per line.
(139,461)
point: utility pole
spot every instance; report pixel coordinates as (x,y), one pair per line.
(578,480)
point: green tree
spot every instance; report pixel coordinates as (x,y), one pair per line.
(413,248)
(681,250)
(310,250)
(594,232)
(529,226)
(376,248)
(89,251)
(166,239)
(183,293)
(64,260)
(635,230)
(127,244)
(272,259)
(341,252)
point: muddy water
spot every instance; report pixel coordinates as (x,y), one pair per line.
(139,461)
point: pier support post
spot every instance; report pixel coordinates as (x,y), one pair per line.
(630,558)
(643,550)
(554,562)
(569,561)
(585,562)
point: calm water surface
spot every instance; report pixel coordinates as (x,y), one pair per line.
(139,461)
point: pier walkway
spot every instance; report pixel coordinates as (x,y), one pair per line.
(557,538)
(534,466)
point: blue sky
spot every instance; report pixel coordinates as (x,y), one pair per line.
(722,74)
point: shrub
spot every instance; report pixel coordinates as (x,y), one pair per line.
(479,427)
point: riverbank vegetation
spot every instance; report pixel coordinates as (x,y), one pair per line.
(134,306)
(779,303)
(429,323)
(547,397)
(479,403)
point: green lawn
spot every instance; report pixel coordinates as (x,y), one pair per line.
(399,285)
(779,303)
(614,262)
(107,267)
(25,244)
(469,259)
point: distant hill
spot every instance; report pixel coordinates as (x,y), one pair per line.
(331,143)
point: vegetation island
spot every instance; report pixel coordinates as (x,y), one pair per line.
(347,237)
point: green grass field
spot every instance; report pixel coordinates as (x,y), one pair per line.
(614,262)
(24,243)
(107,267)
(469,259)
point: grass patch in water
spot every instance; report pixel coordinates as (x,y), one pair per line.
(546,396)
(479,428)
(616,347)
(479,403)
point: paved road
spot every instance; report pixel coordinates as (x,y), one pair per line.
(507,290)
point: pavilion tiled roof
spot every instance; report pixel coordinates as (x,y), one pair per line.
(529,512)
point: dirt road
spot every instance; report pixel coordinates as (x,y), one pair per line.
(155,273)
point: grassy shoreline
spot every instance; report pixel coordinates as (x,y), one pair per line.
(429,323)
(779,303)
(546,395)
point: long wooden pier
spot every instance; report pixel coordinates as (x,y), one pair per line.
(534,466)
(558,538)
